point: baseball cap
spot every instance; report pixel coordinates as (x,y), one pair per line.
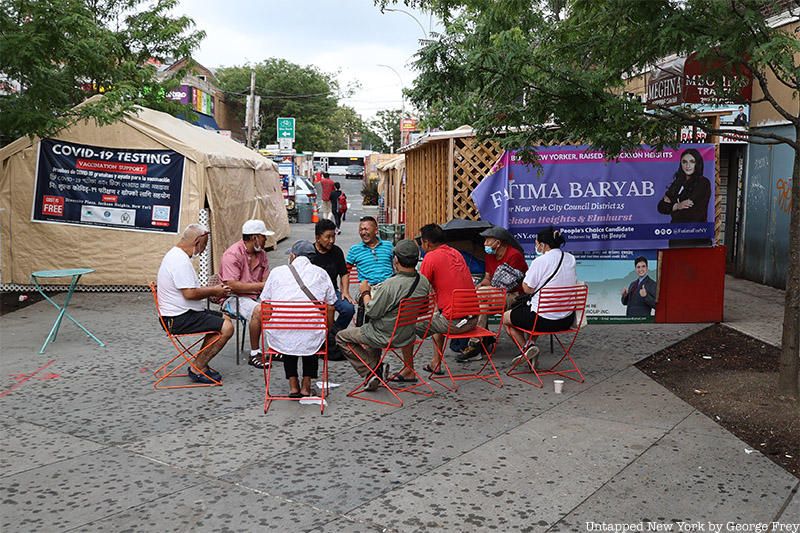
(497,232)
(256,227)
(407,250)
(302,248)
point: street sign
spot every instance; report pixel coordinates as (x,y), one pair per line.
(285,143)
(285,128)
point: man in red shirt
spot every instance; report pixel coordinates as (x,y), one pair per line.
(327,188)
(501,249)
(446,270)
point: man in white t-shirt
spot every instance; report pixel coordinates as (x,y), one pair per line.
(179,300)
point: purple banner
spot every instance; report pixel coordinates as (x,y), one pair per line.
(645,199)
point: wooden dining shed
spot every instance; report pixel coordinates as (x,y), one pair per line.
(442,169)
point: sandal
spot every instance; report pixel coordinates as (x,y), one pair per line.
(438,371)
(294,395)
(257,360)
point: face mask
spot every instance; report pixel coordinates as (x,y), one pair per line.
(488,250)
(538,251)
(257,248)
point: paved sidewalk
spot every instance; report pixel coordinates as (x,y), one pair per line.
(88,445)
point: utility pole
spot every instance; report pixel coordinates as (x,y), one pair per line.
(251,107)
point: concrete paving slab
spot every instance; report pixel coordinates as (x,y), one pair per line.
(344,525)
(214,506)
(525,479)
(689,478)
(69,493)
(700,424)
(791,515)
(236,441)
(25,446)
(629,397)
(754,309)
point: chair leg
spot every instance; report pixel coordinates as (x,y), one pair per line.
(517,374)
(189,359)
(360,391)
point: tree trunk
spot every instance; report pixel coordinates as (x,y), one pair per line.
(789,380)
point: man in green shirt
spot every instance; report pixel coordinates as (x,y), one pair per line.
(381,304)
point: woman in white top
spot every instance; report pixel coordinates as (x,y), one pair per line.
(552,268)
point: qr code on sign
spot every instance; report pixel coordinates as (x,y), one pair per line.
(161,213)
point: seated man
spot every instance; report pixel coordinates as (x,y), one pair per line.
(179,300)
(447,271)
(372,256)
(505,268)
(330,258)
(381,309)
(244,268)
(282,285)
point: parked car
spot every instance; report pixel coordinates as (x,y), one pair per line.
(354,171)
(304,191)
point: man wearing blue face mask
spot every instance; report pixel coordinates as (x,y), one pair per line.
(505,268)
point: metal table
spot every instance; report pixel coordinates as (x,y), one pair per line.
(75,274)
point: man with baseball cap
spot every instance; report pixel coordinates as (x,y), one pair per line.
(301,344)
(381,303)
(244,268)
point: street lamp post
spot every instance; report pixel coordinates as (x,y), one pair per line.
(392,9)
(402,96)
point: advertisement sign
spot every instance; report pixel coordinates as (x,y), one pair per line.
(612,273)
(110,187)
(641,201)
(182,94)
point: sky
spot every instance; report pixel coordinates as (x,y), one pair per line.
(350,37)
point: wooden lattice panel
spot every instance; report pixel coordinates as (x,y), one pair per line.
(472,162)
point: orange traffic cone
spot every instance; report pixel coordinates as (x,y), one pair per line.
(314,215)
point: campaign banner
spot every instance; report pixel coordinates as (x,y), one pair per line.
(118,188)
(616,293)
(645,199)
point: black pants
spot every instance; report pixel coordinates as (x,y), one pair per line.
(310,365)
(337,219)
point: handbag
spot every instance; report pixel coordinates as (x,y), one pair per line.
(506,277)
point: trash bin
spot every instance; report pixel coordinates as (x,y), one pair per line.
(387,232)
(304,213)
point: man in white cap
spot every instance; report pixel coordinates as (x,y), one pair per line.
(244,269)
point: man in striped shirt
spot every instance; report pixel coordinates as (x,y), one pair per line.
(372,256)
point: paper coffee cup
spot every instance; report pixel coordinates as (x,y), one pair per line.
(558,385)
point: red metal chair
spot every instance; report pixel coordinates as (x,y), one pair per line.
(553,300)
(472,302)
(167,370)
(305,315)
(412,311)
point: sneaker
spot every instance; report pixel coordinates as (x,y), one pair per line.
(200,378)
(374,382)
(470,353)
(532,354)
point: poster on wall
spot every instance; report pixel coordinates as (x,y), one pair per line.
(127,189)
(646,199)
(622,285)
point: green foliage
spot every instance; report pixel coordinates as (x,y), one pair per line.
(56,49)
(554,71)
(387,125)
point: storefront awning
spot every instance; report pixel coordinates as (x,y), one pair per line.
(686,80)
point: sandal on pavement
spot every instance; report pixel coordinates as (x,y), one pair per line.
(399,378)
(438,371)
(257,361)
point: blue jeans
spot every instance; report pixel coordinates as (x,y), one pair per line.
(345,309)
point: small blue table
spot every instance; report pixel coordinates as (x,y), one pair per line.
(76,274)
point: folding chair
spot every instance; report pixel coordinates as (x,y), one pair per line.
(472,302)
(553,300)
(164,372)
(412,311)
(233,314)
(279,315)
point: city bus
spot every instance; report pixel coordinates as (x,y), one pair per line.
(337,163)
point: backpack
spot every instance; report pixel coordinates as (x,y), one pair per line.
(342,203)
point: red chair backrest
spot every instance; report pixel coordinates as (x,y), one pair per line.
(411,311)
(466,302)
(294,315)
(571,298)
(352,273)
(154,290)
